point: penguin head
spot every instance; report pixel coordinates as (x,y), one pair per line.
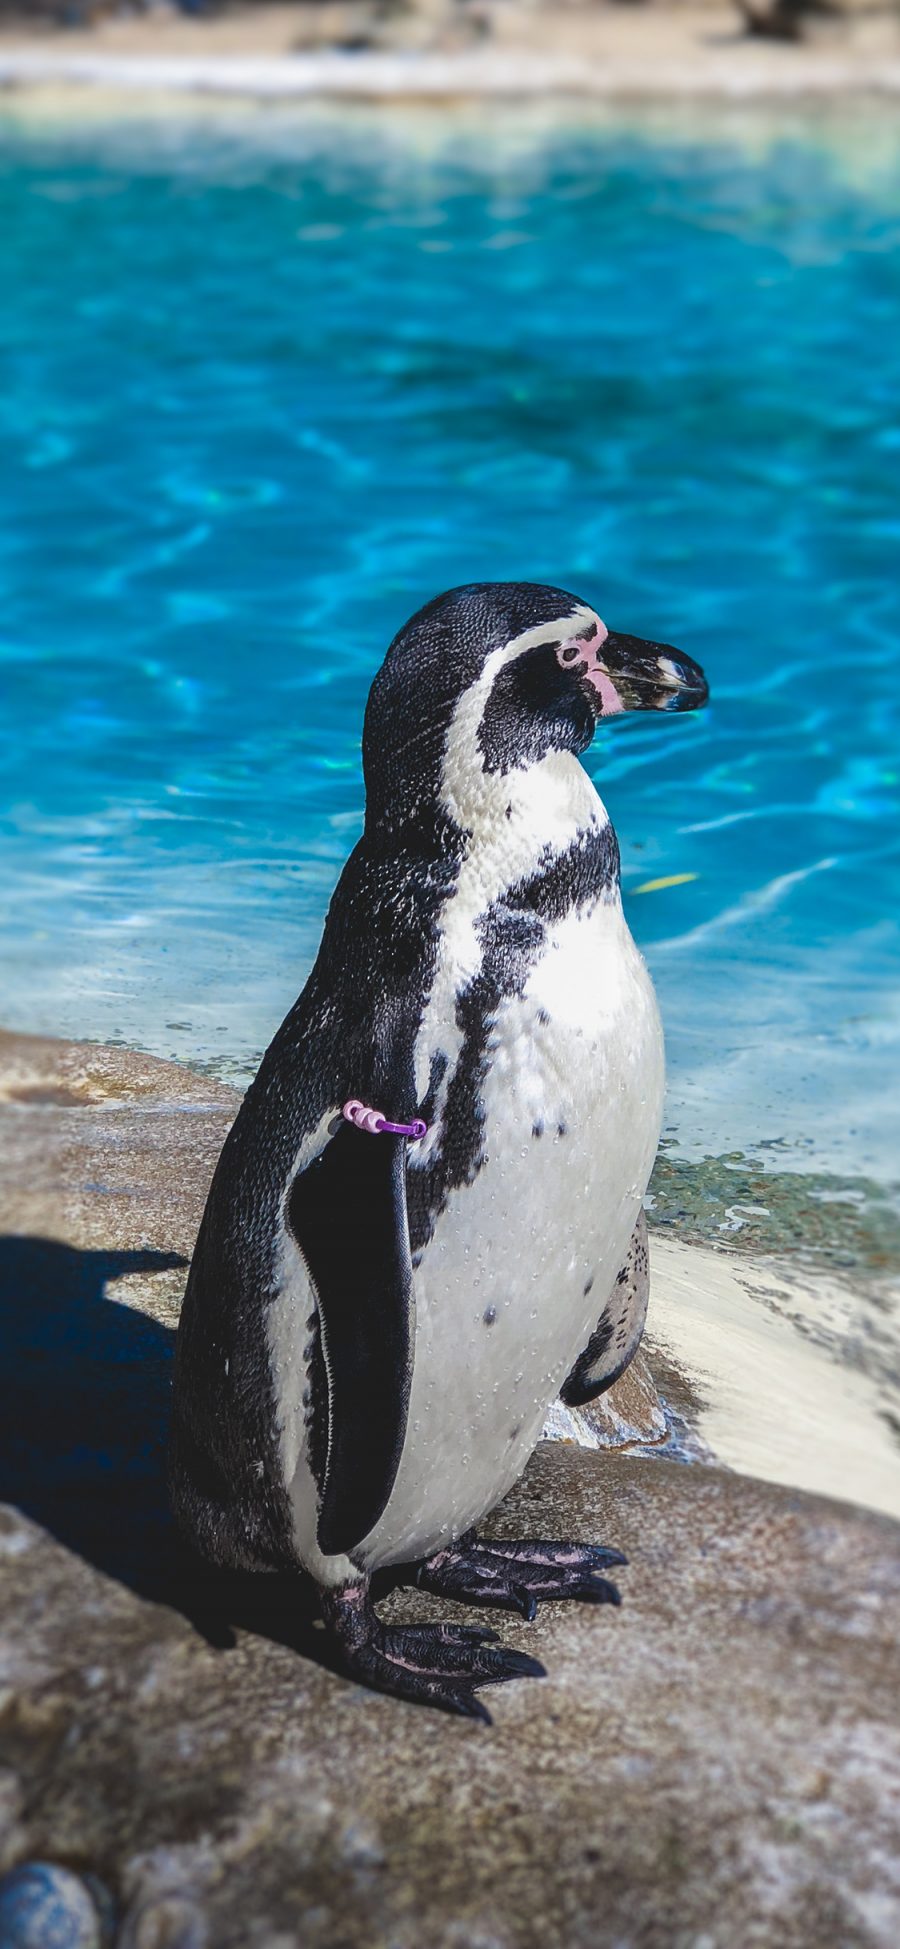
(493,677)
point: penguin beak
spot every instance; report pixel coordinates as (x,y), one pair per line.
(625,673)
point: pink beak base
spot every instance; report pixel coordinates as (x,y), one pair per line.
(592,670)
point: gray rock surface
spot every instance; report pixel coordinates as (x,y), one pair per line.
(716,1765)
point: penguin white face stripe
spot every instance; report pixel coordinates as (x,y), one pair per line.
(463,773)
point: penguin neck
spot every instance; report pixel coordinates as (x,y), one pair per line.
(513,820)
(486,832)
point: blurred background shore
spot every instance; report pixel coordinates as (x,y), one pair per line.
(647,47)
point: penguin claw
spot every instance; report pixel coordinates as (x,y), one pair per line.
(481,1665)
(599,1590)
(609,1559)
(382,1673)
(525,1602)
(519,1576)
(430,1664)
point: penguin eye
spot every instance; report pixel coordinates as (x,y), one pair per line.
(570,652)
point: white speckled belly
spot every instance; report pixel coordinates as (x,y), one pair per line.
(522,1261)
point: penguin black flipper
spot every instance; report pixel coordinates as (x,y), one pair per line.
(347,1212)
(618,1332)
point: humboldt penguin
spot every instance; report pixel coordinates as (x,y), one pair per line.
(426,1222)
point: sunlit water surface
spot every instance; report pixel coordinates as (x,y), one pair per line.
(263,394)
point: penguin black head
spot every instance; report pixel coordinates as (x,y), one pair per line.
(495,676)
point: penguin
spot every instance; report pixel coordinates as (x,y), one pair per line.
(426,1222)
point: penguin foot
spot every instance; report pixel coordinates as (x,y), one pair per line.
(520,1576)
(430,1664)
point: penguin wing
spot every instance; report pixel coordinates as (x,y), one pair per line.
(617,1334)
(347,1212)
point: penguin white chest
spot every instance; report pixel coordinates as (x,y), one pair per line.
(525,1254)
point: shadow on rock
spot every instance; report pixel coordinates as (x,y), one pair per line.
(85,1387)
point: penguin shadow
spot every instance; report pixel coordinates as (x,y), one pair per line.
(85,1391)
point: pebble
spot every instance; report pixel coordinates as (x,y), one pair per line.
(46,1907)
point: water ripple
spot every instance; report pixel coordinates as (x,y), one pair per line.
(251,417)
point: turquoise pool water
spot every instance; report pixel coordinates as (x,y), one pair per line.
(265,393)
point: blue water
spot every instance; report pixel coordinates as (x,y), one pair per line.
(263,394)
